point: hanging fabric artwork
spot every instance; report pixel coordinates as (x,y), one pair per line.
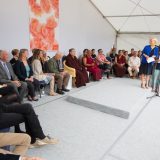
(44,15)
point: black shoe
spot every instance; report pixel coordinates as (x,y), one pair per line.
(59,91)
(66,90)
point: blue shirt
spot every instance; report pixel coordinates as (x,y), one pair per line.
(147,50)
(27,70)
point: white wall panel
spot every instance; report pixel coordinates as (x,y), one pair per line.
(80,26)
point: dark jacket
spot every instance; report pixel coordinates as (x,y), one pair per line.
(9,157)
(13,61)
(20,70)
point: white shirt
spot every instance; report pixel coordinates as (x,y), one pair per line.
(134,61)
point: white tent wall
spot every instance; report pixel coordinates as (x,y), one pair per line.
(80,26)
(14,20)
(136,41)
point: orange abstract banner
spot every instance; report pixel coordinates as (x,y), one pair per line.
(44,16)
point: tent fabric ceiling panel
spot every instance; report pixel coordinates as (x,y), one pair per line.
(136,24)
(114,7)
(131,15)
(151,5)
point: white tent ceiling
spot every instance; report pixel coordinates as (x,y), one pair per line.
(131,16)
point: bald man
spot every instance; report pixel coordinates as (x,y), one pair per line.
(61,77)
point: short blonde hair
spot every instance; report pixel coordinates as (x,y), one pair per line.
(154,39)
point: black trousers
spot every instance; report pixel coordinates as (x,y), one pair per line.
(105,67)
(31,90)
(9,157)
(11,115)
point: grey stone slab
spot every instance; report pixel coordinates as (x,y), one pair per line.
(116,96)
(141,141)
(84,133)
(99,107)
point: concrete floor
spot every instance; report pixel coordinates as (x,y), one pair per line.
(87,134)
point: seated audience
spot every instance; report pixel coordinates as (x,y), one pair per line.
(38,72)
(125,53)
(61,77)
(132,52)
(139,54)
(134,64)
(92,66)
(46,58)
(7,75)
(85,51)
(15,53)
(119,66)
(93,53)
(103,63)
(30,59)
(21,143)
(112,55)
(81,73)
(15,114)
(24,73)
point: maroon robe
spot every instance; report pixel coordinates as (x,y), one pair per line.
(120,70)
(97,74)
(81,73)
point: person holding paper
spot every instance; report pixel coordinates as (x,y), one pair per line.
(149,52)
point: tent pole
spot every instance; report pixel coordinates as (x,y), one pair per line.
(116,41)
(150,33)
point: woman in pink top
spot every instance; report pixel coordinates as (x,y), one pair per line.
(103,63)
(92,66)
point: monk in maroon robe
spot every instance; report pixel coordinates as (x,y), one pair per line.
(119,66)
(81,73)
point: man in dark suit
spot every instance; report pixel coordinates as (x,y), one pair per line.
(17,157)
(7,75)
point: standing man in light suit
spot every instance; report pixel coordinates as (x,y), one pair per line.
(7,75)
